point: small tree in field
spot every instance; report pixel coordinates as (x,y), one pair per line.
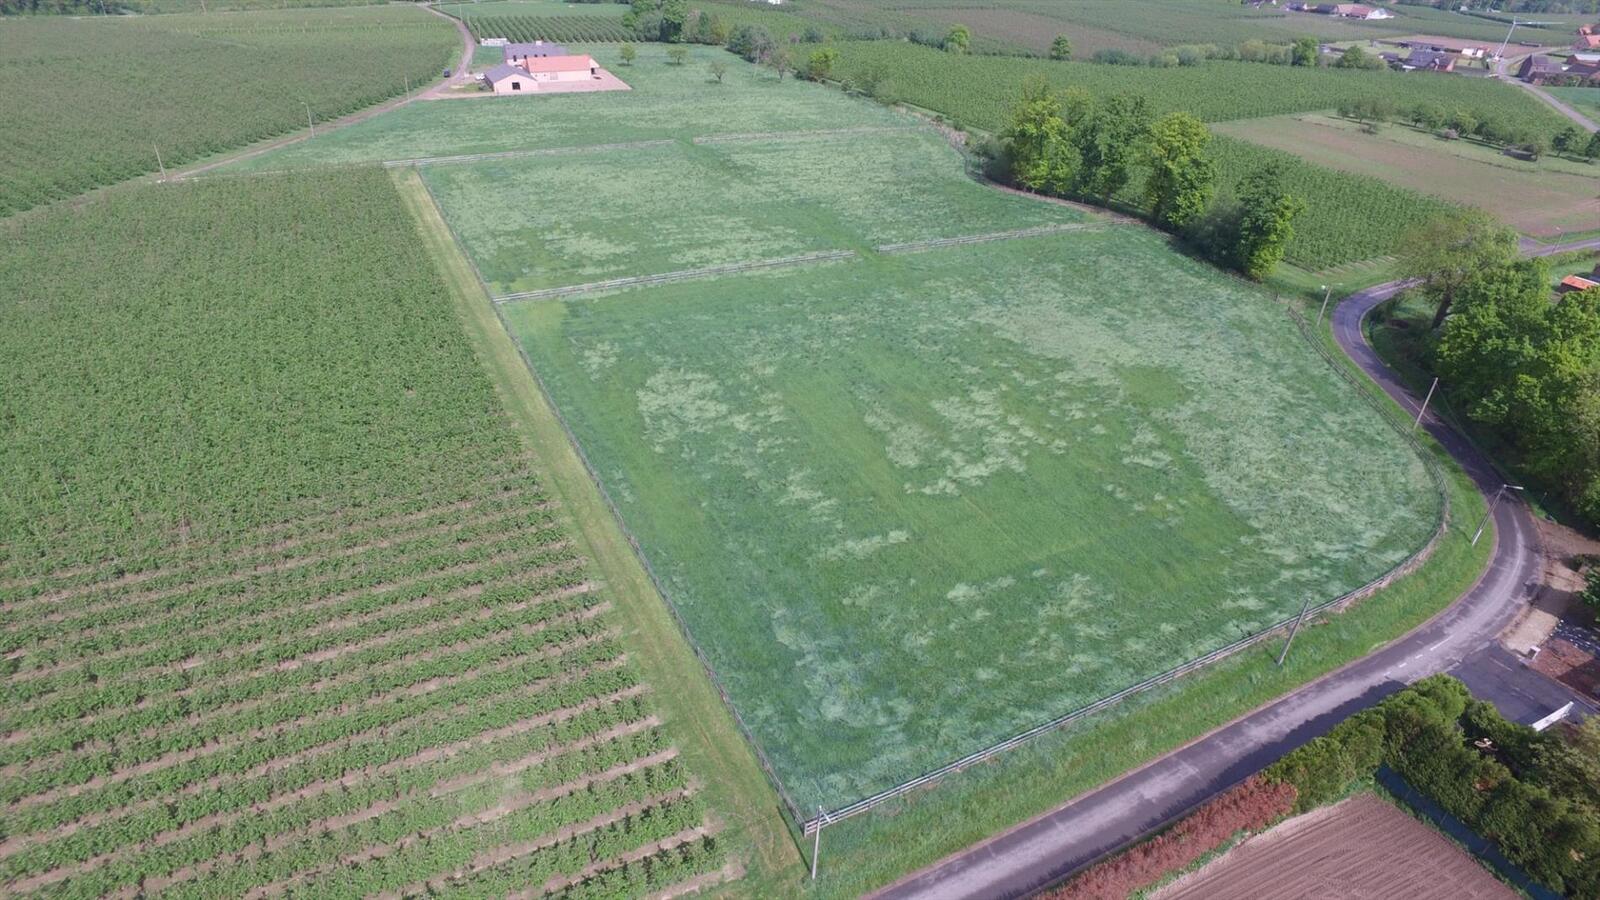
(1061,48)
(821,63)
(628,54)
(778,60)
(959,40)
(677,55)
(1266,218)
(718,68)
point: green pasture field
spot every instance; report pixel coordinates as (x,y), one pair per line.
(189,86)
(666,102)
(1543,198)
(775,197)
(287,604)
(912,505)
(1585,100)
(826,466)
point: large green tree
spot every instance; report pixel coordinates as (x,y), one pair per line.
(1266,222)
(1182,175)
(1443,253)
(959,40)
(1530,368)
(1038,140)
(1110,141)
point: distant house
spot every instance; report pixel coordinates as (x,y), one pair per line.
(1361,11)
(527,76)
(1587,42)
(1579,71)
(505,79)
(562,68)
(1574,283)
(1537,69)
(1589,29)
(517,54)
(1428,61)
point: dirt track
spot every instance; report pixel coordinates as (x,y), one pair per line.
(1363,847)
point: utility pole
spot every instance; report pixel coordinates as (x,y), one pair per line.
(1327,291)
(1502,53)
(408,87)
(159,164)
(1306,605)
(309,122)
(1424,410)
(1490,511)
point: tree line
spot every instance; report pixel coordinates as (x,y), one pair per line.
(1461,123)
(1535,794)
(1111,149)
(1526,367)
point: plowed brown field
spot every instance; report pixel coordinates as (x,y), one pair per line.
(1361,848)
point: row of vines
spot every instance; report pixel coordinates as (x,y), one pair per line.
(185,87)
(562,29)
(284,606)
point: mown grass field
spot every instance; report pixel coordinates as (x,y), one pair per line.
(911,503)
(1544,198)
(909,509)
(189,86)
(287,606)
(776,197)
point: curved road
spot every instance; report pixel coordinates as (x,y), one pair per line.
(1460,639)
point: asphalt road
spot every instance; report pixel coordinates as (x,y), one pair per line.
(1460,640)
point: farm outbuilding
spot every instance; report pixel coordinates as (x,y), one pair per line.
(518,54)
(504,79)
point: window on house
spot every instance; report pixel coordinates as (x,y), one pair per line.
(516,85)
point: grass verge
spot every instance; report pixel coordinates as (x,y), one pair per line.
(696,719)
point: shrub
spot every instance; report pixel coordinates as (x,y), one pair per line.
(1251,806)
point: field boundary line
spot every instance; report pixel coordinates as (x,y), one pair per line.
(1405,567)
(986,237)
(681,275)
(789,808)
(531,151)
(740,137)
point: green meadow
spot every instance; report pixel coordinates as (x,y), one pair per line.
(907,503)
(912,504)
(773,198)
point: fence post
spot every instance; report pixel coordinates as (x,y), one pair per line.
(816,843)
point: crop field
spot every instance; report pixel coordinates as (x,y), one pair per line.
(1364,845)
(284,603)
(1151,24)
(980,90)
(1544,198)
(912,501)
(565,29)
(667,102)
(532,8)
(1349,217)
(190,86)
(777,197)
